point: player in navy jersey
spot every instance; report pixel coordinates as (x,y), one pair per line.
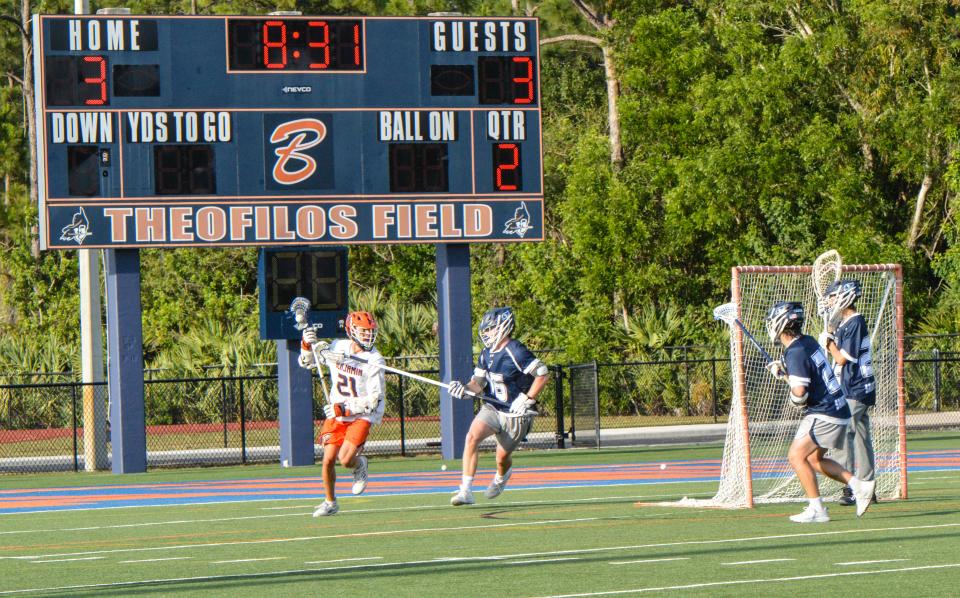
(849,345)
(514,377)
(815,389)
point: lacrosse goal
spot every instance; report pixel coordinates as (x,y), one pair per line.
(762,423)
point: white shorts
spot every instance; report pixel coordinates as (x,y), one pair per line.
(510,429)
(824,434)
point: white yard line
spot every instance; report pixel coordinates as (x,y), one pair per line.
(734,582)
(359,558)
(871,562)
(759,561)
(268,558)
(88,558)
(169,558)
(309,510)
(528,561)
(494,526)
(148,524)
(675,558)
(303,538)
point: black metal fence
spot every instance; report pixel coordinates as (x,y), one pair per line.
(233,419)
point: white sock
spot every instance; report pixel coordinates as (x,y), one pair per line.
(467,482)
(854,483)
(501,478)
(816,503)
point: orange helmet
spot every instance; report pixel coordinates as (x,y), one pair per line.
(361,327)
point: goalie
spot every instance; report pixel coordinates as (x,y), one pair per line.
(355,404)
(815,389)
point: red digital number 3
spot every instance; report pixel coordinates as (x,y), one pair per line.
(323,44)
(524,97)
(100,79)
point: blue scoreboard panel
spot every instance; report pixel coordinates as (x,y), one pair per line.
(164,131)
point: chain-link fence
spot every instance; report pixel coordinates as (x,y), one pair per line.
(233,419)
(932,381)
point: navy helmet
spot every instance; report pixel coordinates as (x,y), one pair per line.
(785,315)
(495,325)
(842,294)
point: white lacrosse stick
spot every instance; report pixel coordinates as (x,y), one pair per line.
(437,383)
(323,379)
(728,313)
(826,271)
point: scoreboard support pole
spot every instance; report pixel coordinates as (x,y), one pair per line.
(125,360)
(456,345)
(295,386)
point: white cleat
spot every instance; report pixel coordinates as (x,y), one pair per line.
(462,497)
(326,508)
(360,476)
(495,488)
(811,515)
(864,495)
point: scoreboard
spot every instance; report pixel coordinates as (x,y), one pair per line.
(167,131)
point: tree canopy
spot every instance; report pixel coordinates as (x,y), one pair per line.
(752,132)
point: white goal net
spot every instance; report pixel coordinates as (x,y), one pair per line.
(762,423)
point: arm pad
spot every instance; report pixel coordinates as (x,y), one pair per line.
(801,400)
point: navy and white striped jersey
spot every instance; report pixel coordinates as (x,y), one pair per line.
(856,376)
(508,372)
(806,364)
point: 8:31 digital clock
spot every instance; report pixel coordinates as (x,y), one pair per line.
(295,45)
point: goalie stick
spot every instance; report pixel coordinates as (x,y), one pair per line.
(826,271)
(728,313)
(484,398)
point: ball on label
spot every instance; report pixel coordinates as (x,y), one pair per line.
(663,466)
(443,467)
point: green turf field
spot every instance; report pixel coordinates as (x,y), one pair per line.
(547,542)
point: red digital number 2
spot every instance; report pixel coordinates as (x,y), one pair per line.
(507,166)
(99,80)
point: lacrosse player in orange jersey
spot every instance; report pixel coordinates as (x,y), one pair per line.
(356,401)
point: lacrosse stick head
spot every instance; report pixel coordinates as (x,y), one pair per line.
(826,271)
(299,308)
(726,312)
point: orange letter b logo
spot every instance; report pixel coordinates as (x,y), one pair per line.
(303,134)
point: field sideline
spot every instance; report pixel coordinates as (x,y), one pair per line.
(567,527)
